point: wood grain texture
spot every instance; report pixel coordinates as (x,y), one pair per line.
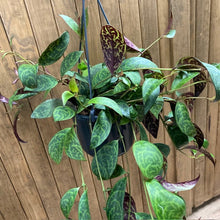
(201,41)
(30,181)
(181,19)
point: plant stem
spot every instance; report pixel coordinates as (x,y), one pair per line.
(128,167)
(152,44)
(102,183)
(82,177)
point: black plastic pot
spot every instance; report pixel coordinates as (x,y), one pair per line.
(84,135)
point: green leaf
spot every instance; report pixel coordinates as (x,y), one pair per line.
(46,108)
(166,205)
(142,216)
(101,78)
(62,113)
(67,201)
(125,109)
(55,50)
(214,73)
(137,63)
(69,62)
(182,78)
(134,76)
(71,23)
(73,86)
(83,209)
(118,171)
(27,73)
(56,145)
(143,133)
(148,158)
(120,87)
(16,97)
(44,83)
(101,129)
(164,149)
(106,102)
(150,92)
(113,47)
(66,96)
(183,120)
(73,147)
(177,136)
(157,107)
(107,158)
(171,34)
(114,206)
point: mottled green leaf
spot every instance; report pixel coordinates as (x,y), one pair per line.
(71,23)
(214,73)
(177,136)
(106,102)
(83,209)
(16,96)
(150,92)
(114,206)
(69,62)
(44,83)
(113,47)
(55,50)
(157,107)
(73,147)
(134,76)
(148,158)
(166,205)
(120,87)
(182,78)
(107,158)
(27,73)
(183,120)
(62,113)
(137,63)
(46,108)
(118,171)
(142,216)
(124,107)
(101,78)
(67,201)
(56,145)
(101,129)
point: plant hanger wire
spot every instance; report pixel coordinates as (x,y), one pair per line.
(83,27)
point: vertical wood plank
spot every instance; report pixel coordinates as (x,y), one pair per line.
(10,207)
(214,54)
(19,27)
(181,19)
(130,19)
(200,107)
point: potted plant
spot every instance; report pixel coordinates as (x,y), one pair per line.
(109,103)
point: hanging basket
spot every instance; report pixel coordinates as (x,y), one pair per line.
(84,135)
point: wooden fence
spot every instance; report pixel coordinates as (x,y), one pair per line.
(31,184)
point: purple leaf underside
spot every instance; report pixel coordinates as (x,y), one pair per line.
(177,187)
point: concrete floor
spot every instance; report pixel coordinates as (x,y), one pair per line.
(208,211)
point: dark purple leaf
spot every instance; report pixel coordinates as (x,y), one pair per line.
(194,63)
(131,47)
(177,187)
(5,100)
(170,24)
(199,136)
(201,150)
(113,47)
(151,123)
(129,203)
(15,128)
